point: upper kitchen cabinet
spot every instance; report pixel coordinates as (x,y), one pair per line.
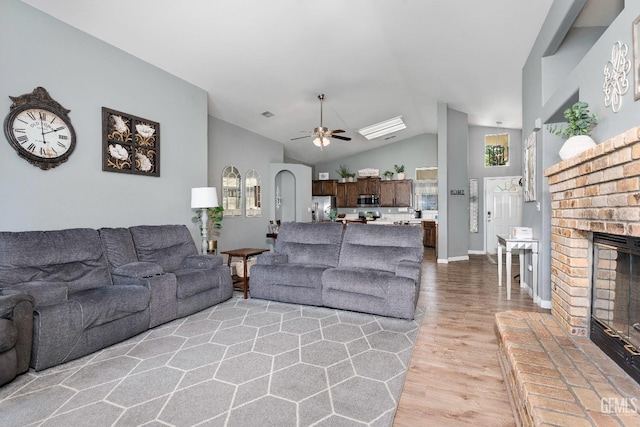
(327,187)
(347,195)
(369,186)
(396,193)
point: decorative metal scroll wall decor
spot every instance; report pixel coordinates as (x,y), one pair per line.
(130,144)
(616,83)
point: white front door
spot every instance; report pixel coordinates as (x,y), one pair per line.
(503,208)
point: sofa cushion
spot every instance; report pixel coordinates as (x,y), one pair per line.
(380,247)
(108,303)
(43,293)
(73,256)
(166,245)
(310,243)
(192,281)
(118,246)
(305,276)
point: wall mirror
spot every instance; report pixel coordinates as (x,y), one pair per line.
(496,150)
(252,194)
(231,191)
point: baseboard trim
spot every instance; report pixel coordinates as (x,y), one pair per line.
(477,252)
(459,258)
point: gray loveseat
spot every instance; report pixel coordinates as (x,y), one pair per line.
(92,289)
(368,268)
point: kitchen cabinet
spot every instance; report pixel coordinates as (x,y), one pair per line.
(396,193)
(368,186)
(326,187)
(347,195)
(430,234)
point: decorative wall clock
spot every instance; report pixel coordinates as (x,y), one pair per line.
(39,129)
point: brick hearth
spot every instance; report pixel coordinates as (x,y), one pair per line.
(555,379)
(596,191)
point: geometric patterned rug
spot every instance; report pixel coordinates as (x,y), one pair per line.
(241,363)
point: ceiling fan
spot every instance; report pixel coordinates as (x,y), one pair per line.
(322,134)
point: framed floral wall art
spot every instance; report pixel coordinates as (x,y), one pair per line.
(130,144)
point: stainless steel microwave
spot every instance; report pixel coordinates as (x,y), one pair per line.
(367,200)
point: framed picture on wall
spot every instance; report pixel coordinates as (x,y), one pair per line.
(636,58)
(530,168)
(323,175)
(130,144)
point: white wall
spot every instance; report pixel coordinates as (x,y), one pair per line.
(85,74)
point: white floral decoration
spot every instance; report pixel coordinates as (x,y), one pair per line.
(117,151)
(145,130)
(119,124)
(145,163)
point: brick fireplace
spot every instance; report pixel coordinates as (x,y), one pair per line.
(596,191)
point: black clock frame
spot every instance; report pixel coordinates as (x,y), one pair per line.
(41,99)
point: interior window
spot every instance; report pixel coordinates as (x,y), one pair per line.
(496,150)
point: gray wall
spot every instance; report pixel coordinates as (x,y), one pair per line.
(85,74)
(232,145)
(477,169)
(457,211)
(584,82)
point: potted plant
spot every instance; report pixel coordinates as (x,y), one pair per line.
(580,123)
(399,171)
(387,175)
(351,177)
(344,173)
(214,223)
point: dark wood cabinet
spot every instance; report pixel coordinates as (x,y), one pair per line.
(327,187)
(395,193)
(430,233)
(347,195)
(368,186)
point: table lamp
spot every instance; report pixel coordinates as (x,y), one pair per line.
(204,198)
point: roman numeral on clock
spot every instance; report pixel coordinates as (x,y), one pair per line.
(22,139)
(31,115)
(31,147)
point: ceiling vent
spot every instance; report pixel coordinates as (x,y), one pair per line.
(383,128)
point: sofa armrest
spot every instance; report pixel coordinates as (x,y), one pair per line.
(409,269)
(138,269)
(9,298)
(43,293)
(203,261)
(271,258)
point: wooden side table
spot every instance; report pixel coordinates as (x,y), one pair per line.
(243,253)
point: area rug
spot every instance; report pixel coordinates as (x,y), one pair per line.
(241,363)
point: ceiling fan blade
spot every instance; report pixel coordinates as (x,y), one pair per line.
(344,138)
(300,137)
(337,131)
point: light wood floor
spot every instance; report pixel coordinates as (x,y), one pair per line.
(454,378)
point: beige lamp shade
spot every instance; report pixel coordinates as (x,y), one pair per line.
(204,197)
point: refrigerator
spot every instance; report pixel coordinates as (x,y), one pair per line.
(321,206)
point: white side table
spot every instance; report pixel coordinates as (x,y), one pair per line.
(523,244)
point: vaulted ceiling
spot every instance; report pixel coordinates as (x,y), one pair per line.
(374,59)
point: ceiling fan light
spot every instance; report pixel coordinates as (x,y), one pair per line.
(383,128)
(321,142)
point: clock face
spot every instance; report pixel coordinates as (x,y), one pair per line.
(41,135)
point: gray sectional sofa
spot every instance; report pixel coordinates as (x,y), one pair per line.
(93,288)
(368,268)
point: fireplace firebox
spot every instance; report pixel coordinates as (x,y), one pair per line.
(615,307)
